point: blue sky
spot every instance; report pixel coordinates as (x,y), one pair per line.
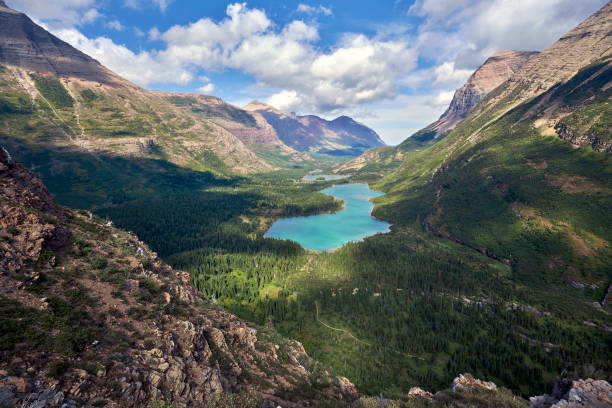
(391,64)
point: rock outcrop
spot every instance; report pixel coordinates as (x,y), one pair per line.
(595,141)
(90,315)
(341,136)
(575,394)
(467,382)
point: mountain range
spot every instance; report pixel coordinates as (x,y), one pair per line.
(163,291)
(340,137)
(77,100)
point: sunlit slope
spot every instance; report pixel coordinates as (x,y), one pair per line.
(505,183)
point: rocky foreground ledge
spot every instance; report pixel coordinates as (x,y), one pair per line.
(90,316)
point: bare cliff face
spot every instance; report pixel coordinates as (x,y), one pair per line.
(90,315)
(341,136)
(495,70)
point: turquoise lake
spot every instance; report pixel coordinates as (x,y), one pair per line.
(326,232)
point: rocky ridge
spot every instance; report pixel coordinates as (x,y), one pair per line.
(91,316)
(249,127)
(493,72)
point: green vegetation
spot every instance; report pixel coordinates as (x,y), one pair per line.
(53,91)
(499,252)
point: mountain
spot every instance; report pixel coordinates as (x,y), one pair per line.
(495,70)
(342,136)
(525,178)
(75,121)
(249,127)
(91,316)
(27,45)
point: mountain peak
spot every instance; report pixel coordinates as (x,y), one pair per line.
(26,45)
(492,73)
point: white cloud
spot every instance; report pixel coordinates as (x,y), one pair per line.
(469,31)
(284,100)
(138,4)
(207,89)
(357,70)
(305,8)
(142,68)
(443,98)
(154,34)
(139,32)
(447,74)
(115,25)
(59,14)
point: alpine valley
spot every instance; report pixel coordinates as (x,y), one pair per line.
(134,271)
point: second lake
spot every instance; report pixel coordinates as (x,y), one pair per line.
(326,232)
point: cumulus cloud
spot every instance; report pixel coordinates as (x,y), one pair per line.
(207,89)
(305,8)
(143,68)
(284,100)
(59,14)
(447,74)
(358,69)
(443,98)
(468,31)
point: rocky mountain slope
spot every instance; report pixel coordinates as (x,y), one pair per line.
(77,105)
(249,127)
(27,45)
(493,72)
(91,317)
(536,201)
(342,136)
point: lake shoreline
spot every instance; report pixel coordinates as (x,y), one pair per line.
(328,232)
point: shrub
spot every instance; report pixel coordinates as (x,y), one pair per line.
(243,400)
(57,369)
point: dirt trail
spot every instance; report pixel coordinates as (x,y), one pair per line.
(337,329)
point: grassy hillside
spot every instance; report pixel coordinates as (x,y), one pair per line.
(516,191)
